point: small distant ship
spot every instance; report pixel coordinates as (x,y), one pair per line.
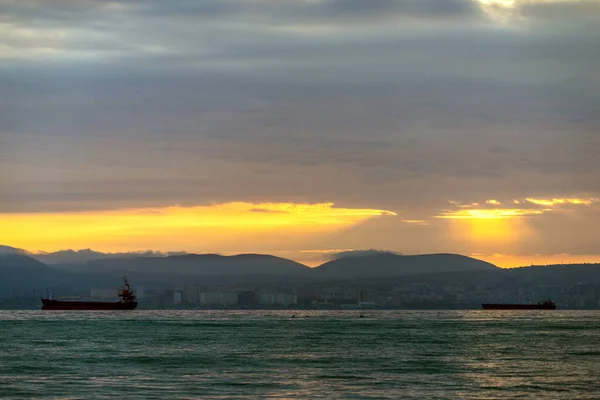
(127,301)
(542,305)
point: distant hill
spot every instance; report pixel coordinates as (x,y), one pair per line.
(453,276)
(195,264)
(22,271)
(501,279)
(19,262)
(85,255)
(563,274)
(11,250)
(388,265)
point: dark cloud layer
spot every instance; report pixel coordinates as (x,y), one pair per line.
(399,105)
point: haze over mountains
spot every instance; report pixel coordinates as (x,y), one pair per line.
(11,250)
(78,256)
(350,264)
(18,268)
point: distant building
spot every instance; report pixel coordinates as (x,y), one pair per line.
(177,298)
(246,298)
(229,299)
(192,294)
(287,299)
(140,292)
(267,298)
(219,298)
(283,299)
(366,304)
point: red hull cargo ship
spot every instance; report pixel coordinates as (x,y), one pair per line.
(127,301)
(542,305)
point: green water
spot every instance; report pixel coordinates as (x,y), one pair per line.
(329,354)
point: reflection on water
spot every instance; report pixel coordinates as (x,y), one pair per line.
(332,354)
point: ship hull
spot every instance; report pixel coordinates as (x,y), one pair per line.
(518,306)
(48,304)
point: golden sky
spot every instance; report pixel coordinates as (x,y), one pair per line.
(226,228)
(289,230)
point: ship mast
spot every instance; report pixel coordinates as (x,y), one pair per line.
(125,292)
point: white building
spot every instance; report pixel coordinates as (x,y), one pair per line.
(267,298)
(287,299)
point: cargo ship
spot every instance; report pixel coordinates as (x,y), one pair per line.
(542,305)
(127,301)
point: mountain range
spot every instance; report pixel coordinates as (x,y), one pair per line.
(80,256)
(19,268)
(380,265)
(350,265)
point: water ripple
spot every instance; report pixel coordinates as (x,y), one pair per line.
(267,354)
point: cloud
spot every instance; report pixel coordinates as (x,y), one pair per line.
(419,222)
(560,201)
(378,105)
(489,214)
(359,253)
(266,210)
(496,209)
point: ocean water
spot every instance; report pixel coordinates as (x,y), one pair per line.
(318,354)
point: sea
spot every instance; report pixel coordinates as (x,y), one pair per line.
(359,354)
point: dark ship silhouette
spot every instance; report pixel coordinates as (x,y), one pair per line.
(127,301)
(542,305)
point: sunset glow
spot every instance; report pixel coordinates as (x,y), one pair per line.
(502,226)
(135,229)
(489,227)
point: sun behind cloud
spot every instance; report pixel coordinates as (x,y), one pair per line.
(500,222)
(509,11)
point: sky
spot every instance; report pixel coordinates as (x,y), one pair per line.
(302,128)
